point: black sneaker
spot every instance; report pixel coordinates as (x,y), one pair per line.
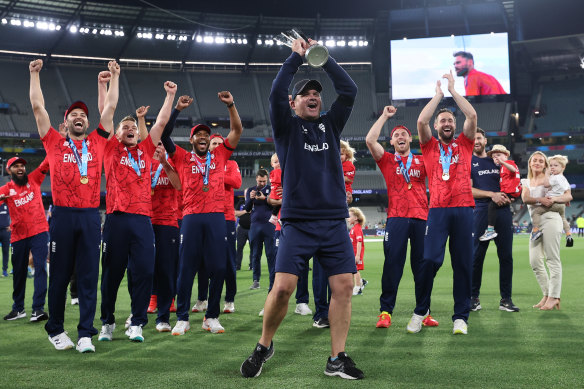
(323,322)
(252,366)
(507,305)
(363,282)
(39,316)
(15,315)
(475,304)
(569,241)
(343,367)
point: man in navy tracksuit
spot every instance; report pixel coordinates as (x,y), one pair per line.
(485,181)
(314,205)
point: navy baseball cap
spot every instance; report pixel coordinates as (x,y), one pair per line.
(77,104)
(199,127)
(305,84)
(14,160)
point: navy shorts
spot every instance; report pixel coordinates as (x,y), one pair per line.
(327,240)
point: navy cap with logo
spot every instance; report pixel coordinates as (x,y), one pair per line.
(77,104)
(14,160)
(304,85)
(199,127)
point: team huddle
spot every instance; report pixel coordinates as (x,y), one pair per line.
(170,213)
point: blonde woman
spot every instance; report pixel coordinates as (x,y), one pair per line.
(548,247)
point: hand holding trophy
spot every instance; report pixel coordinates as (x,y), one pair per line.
(316,55)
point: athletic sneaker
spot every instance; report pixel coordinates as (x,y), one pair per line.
(212,325)
(229,307)
(152,306)
(128,322)
(488,235)
(302,309)
(39,316)
(181,327)
(569,241)
(357,290)
(460,327)
(429,321)
(384,320)
(323,322)
(535,235)
(364,282)
(261,312)
(84,345)
(200,306)
(4,273)
(415,324)
(75,301)
(475,304)
(61,341)
(252,366)
(343,367)
(163,327)
(107,332)
(255,285)
(15,315)
(507,305)
(135,334)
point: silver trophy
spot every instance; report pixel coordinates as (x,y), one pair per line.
(316,55)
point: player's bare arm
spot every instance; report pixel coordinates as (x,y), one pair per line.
(36,98)
(423,125)
(470,123)
(111,100)
(234,119)
(102,79)
(164,114)
(375,148)
(141,115)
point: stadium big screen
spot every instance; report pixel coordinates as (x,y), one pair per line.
(481,69)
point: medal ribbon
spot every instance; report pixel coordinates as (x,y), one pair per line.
(445,159)
(156,174)
(81,160)
(135,165)
(204,171)
(405,169)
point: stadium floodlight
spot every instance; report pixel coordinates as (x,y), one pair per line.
(147,35)
(259,41)
(15,22)
(4,21)
(28,24)
(94,31)
(341,43)
(159,36)
(352,43)
(198,38)
(330,43)
(119,33)
(219,40)
(208,39)
(582,60)
(182,38)
(58,27)
(320,42)
(52,27)
(239,41)
(171,37)
(269,42)
(73,29)
(365,43)
(244,41)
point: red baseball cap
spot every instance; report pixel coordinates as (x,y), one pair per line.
(400,127)
(77,104)
(199,127)
(14,160)
(217,135)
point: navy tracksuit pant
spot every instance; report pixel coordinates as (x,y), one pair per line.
(166,239)
(242,236)
(5,240)
(444,223)
(262,233)
(398,230)
(75,235)
(320,290)
(504,242)
(37,245)
(128,242)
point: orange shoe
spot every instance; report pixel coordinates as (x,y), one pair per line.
(153,304)
(429,321)
(384,320)
(172,307)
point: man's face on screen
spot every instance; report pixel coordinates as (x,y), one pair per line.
(462,66)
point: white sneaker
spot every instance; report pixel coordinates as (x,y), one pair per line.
(213,326)
(415,324)
(128,322)
(135,334)
(61,341)
(75,301)
(302,309)
(181,327)
(229,307)
(200,306)
(357,290)
(261,312)
(84,345)
(460,327)
(107,332)
(163,327)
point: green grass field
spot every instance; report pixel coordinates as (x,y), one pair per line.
(528,349)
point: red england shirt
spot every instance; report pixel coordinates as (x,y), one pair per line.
(404,202)
(232,181)
(275,183)
(478,83)
(356,235)
(196,200)
(66,186)
(349,172)
(25,206)
(180,205)
(510,182)
(126,191)
(457,190)
(164,199)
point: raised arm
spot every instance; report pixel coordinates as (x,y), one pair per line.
(424,130)
(102,79)
(164,114)
(234,119)
(36,98)
(182,103)
(111,100)
(375,148)
(160,156)
(141,115)
(470,123)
